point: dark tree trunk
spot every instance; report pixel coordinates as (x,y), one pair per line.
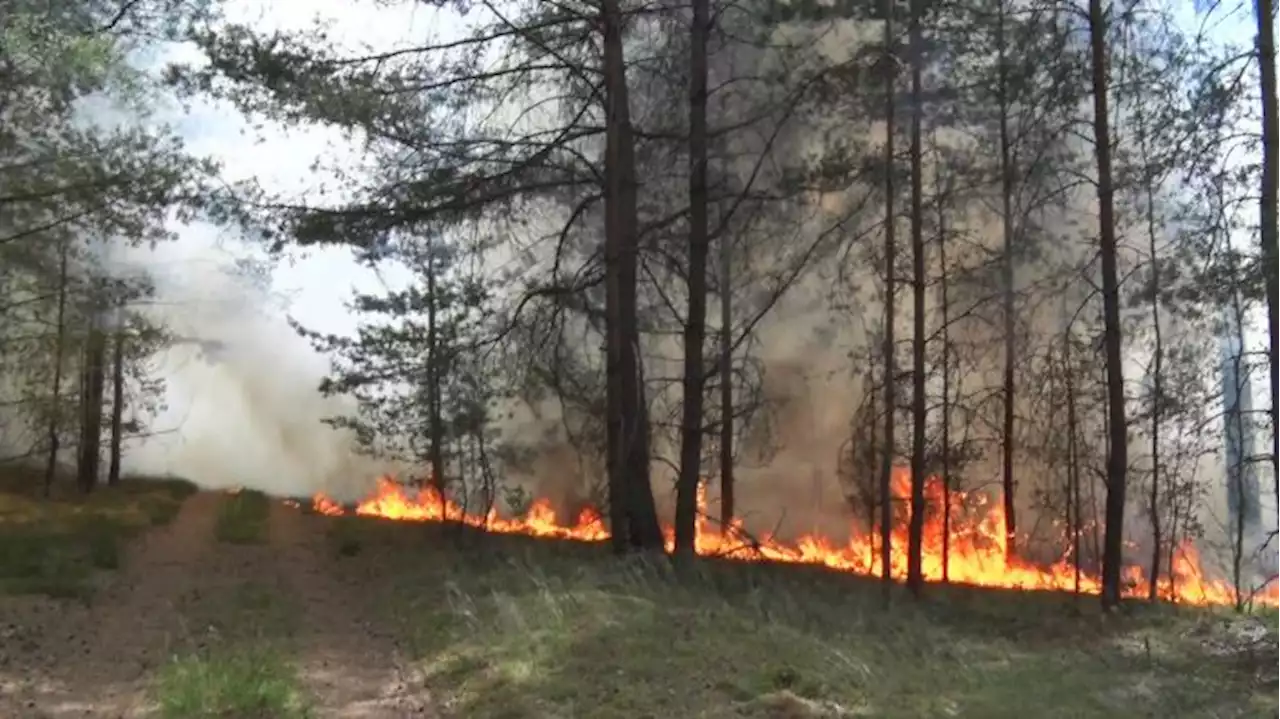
(1157,370)
(915,531)
(1073,458)
(1269,212)
(695,323)
(117,400)
(59,356)
(890,260)
(435,425)
(726,384)
(1118,451)
(1006,199)
(943,281)
(632,510)
(91,396)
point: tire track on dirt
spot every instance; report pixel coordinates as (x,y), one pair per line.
(350,663)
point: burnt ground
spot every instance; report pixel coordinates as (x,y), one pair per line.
(180,592)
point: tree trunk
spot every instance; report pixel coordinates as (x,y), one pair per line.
(1157,370)
(726,385)
(915,532)
(117,400)
(1006,199)
(59,352)
(695,323)
(890,371)
(1269,213)
(946,390)
(1118,455)
(92,381)
(1073,457)
(435,426)
(636,519)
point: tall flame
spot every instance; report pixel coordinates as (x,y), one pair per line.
(977,553)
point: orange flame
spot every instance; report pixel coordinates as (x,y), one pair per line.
(977,553)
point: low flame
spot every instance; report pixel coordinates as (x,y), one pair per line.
(977,553)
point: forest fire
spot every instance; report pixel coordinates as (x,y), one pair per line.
(977,553)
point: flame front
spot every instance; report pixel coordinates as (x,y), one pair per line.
(977,553)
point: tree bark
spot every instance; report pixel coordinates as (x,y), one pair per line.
(59,355)
(726,385)
(1006,200)
(890,258)
(117,400)
(632,511)
(1118,454)
(915,531)
(695,322)
(92,381)
(435,424)
(943,281)
(1269,213)
(1157,370)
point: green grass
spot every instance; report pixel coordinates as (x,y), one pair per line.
(239,682)
(54,545)
(507,627)
(242,518)
(237,663)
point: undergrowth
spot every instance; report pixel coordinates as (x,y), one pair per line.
(242,518)
(510,627)
(53,545)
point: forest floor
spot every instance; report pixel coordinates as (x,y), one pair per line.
(152,600)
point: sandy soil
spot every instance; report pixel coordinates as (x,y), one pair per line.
(69,659)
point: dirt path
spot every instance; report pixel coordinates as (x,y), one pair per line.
(66,659)
(352,666)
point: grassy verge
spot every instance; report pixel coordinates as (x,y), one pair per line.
(508,627)
(242,518)
(53,545)
(238,666)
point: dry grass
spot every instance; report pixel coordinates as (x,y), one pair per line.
(54,545)
(507,627)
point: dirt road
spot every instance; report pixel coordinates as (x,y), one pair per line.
(68,659)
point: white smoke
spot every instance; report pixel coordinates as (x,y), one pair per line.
(241,386)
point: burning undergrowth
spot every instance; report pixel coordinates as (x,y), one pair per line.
(965,545)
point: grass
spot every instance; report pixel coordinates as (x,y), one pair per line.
(242,518)
(53,546)
(241,682)
(238,665)
(507,627)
